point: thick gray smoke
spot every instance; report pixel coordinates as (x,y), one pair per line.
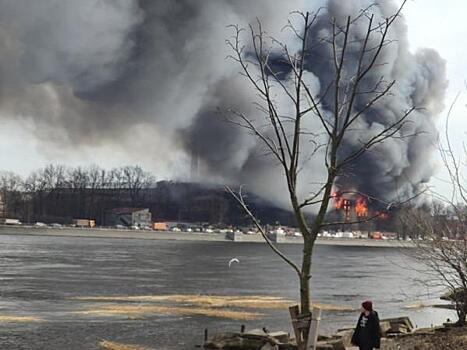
(150,75)
(401,165)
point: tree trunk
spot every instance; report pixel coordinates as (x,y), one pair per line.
(461,314)
(305,290)
(305,277)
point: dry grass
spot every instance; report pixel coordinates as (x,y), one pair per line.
(254,302)
(425,304)
(136,307)
(109,345)
(217,301)
(335,308)
(19,319)
(131,311)
(419,305)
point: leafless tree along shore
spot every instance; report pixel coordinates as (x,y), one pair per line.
(315,125)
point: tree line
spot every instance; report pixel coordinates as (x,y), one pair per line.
(57,193)
(60,192)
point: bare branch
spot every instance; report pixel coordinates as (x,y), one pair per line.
(239,198)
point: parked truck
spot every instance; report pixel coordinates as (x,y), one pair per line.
(84,223)
(160,226)
(6,221)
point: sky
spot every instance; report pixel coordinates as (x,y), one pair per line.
(441,25)
(431,23)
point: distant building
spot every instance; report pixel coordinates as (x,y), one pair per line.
(138,217)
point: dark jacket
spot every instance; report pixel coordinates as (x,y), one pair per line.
(367,332)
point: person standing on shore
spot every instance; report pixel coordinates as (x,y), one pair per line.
(367,335)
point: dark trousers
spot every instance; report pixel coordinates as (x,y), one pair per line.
(366,347)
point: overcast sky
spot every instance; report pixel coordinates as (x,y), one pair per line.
(441,25)
(431,23)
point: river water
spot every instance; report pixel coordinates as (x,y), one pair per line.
(42,277)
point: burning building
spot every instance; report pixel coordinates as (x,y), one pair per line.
(357,212)
(352,210)
(352,206)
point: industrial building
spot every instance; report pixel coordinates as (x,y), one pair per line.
(130,217)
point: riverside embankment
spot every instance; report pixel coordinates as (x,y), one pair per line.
(184,236)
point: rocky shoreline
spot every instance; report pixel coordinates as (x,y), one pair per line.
(398,334)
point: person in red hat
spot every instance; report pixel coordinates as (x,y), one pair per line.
(367,335)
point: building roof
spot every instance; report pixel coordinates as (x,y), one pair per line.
(126,210)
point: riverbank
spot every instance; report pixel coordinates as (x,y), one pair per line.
(446,337)
(184,236)
(437,338)
(430,339)
(397,334)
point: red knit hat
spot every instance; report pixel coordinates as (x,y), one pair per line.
(367,305)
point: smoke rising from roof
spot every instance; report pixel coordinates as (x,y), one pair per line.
(95,72)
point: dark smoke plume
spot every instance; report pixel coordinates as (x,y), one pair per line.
(402,164)
(152,74)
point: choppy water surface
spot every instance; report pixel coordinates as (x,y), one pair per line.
(42,277)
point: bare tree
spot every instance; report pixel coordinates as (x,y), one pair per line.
(11,186)
(97,179)
(287,137)
(442,232)
(60,193)
(36,186)
(136,179)
(54,178)
(442,254)
(78,182)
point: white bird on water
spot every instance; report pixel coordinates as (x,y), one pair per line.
(232,261)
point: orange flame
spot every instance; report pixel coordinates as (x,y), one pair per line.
(338,200)
(361,207)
